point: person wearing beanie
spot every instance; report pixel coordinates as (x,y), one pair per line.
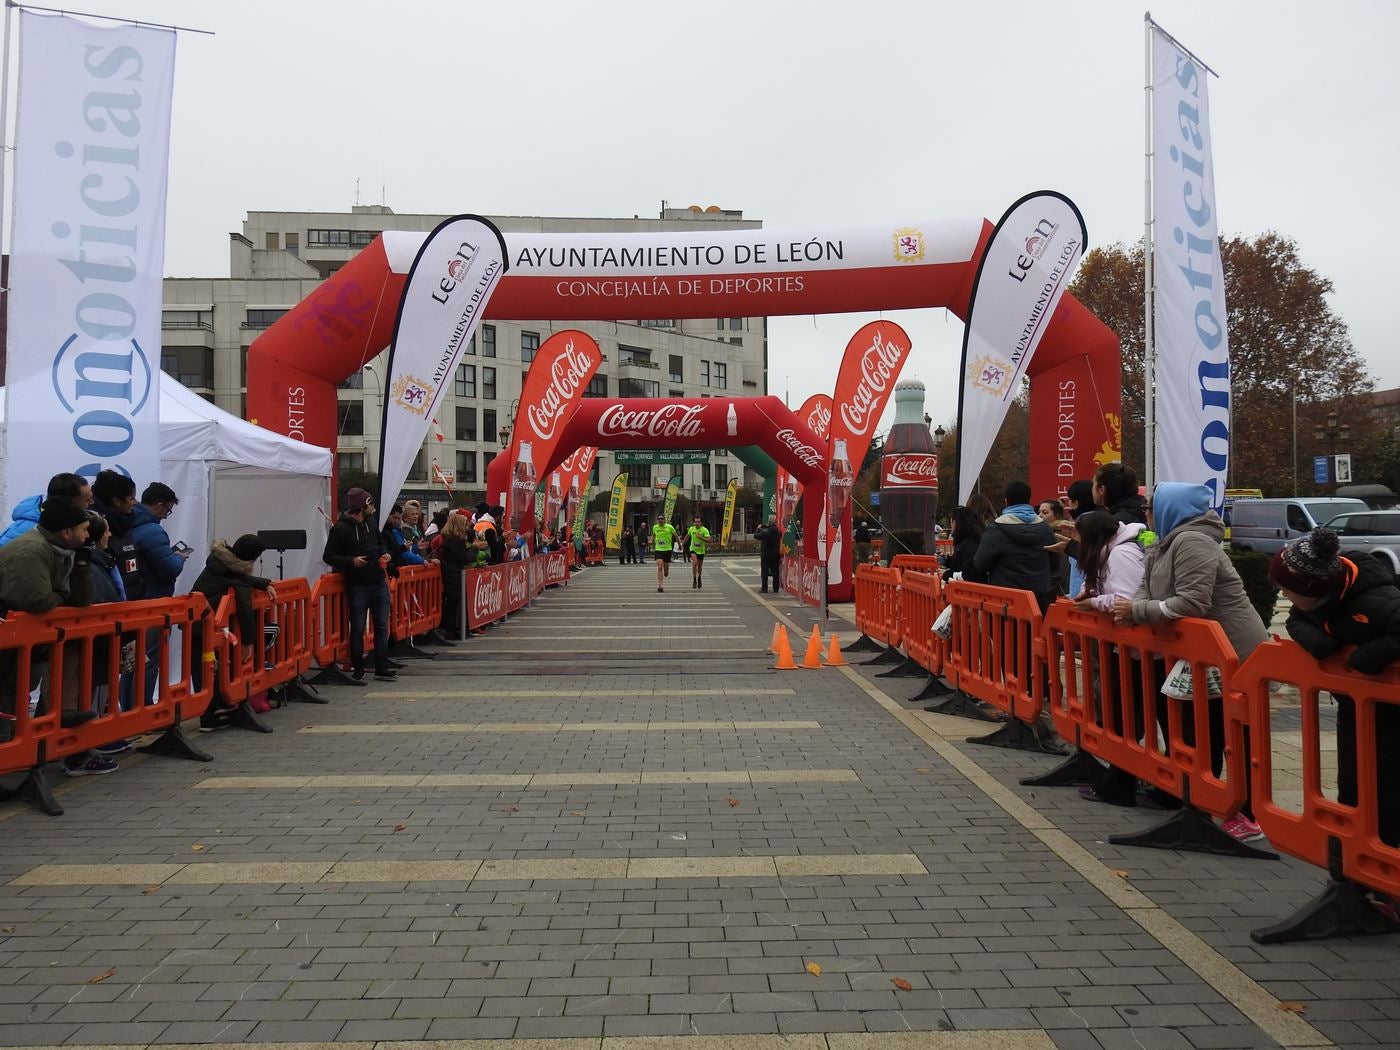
(1187,573)
(229,569)
(1340,602)
(355,550)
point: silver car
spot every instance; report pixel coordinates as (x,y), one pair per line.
(1370,532)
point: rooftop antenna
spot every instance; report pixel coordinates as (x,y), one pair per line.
(357,193)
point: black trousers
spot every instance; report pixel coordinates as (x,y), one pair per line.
(768,567)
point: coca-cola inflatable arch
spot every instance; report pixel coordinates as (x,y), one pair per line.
(295,366)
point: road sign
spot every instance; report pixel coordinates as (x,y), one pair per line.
(1320,471)
(629,457)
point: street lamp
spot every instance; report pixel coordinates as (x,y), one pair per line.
(1331,430)
(505,424)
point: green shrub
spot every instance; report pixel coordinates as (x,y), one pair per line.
(905,541)
(1254,571)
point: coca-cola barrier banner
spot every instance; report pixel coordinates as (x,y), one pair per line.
(803,578)
(554,385)
(493,593)
(909,470)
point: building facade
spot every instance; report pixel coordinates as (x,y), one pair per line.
(281,257)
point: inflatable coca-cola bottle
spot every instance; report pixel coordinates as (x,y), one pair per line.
(838,495)
(909,469)
(522,487)
(553,497)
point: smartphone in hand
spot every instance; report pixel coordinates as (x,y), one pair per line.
(181,547)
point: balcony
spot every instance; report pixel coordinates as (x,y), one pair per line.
(187,326)
(636,362)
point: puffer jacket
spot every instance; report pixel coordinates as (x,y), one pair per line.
(1188,573)
(1365,614)
(1012,554)
(225,571)
(23,518)
(160,565)
(37,575)
(1123,569)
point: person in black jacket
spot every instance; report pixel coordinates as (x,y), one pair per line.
(1013,549)
(1116,487)
(354,549)
(230,568)
(770,553)
(1338,602)
(968,528)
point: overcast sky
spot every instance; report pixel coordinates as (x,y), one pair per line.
(799,114)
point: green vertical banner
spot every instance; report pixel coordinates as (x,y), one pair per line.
(673,491)
(731,497)
(580,518)
(616,504)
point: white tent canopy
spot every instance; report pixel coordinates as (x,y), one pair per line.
(233,477)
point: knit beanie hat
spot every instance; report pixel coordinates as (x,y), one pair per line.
(57,515)
(1310,566)
(356,500)
(248,548)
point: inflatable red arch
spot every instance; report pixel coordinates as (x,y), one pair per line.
(295,366)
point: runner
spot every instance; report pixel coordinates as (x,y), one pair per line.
(696,539)
(663,535)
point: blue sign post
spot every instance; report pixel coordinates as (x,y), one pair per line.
(1321,475)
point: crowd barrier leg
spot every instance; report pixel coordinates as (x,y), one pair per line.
(1342,909)
(864,644)
(908,668)
(889,654)
(933,687)
(960,704)
(36,789)
(1193,831)
(1015,735)
(1080,768)
(174,744)
(331,674)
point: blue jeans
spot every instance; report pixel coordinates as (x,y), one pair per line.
(369,598)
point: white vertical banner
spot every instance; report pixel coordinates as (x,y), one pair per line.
(1193,349)
(92,144)
(444,297)
(1030,258)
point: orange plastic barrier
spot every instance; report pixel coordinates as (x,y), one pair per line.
(246,666)
(996,652)
(877,604)
(417,601)
(1089,655)
(330,621)
(916,563)
(593,553)
(1339,837)
(920,601)
(943,548)
(72,658)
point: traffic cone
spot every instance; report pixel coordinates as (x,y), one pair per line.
(784,652)
(813,659)
(773,643)
(833,654)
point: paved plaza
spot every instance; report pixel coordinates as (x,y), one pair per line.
(609,821)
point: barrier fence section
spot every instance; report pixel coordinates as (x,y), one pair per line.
(248,665)
(416,606)
(67,666)
(920,601)
(497,591)
(877,604)
(804,579)
(1346,836)
(997,651)
(916,563)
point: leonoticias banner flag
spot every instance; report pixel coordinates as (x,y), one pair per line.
(617,503)
(92,147)
(1192,347)
(444,297)
(1029,260)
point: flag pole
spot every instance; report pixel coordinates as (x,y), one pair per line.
(1149,348)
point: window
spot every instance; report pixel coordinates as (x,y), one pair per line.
(488,340)
(721,475)
(633,355)
(677,369)
(488,424)
(419,470)
(187,319)
(488,383)
(466,423)
(734,339)
(704,373)
(270,242)
(597,468)
(658,323)
(350,461)
(262,318)
(340,238)
(638,388)
(721,375)
(736,324)
(466,468)
(639,477)
(293,242)
(350,417)
(529,346)
(464,384)
(1297,520)
(354,381)
(719,324)
(192,366)
(676,393)
(597,387)
(486,458)
(704,475)
(470,348)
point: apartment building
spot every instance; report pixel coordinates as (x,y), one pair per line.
(280,257)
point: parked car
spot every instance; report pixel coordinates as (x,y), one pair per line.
(1268,525)
(1370,532)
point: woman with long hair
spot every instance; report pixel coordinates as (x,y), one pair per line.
(1052,512)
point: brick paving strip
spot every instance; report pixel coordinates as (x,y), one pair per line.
(932,1040)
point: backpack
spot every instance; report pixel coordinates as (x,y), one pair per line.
(132,565)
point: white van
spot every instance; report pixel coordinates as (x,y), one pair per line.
(1268,525)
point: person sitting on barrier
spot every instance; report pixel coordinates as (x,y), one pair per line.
(1338,602)
(65,488)
(46,567)
(230,568)
(399,546)
(1188,573)
(353,548)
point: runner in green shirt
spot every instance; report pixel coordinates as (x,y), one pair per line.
(697,538)
(663,538)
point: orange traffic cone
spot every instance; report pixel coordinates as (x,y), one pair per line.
(813,659)
(784,651)
(773,644)
(833,654)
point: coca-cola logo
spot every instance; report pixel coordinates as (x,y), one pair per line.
(488,598)
(568,374)
(517,587)
(878,366)
(668,421)
(819,419)
(812,583)
(916,470)
(799,448)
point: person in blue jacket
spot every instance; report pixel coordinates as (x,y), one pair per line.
(161,564)
(400,548)
(67,488)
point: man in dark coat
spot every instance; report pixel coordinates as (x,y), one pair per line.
(770,556)
(1012,551)
(355,550)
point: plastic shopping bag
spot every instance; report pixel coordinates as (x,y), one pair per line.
(943,626)
(1180,685)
